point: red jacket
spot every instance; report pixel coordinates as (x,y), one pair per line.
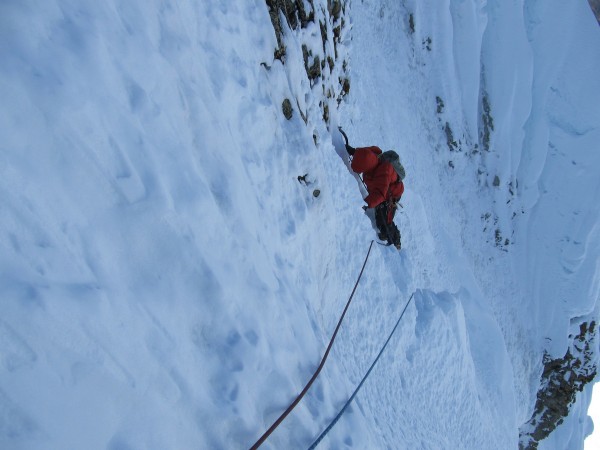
(380,177)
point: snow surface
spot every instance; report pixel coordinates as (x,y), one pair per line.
(166,282)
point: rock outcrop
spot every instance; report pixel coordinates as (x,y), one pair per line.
(562,379)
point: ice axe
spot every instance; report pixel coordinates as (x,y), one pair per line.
(350,151)
(344,135)
(346,143)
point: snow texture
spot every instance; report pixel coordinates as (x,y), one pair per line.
(166,282)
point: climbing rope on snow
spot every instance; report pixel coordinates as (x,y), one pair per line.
(267,433)
(336,418)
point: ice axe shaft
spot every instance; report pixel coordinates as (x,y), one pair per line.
(344,135)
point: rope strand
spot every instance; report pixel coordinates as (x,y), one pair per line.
(272,428)
(334,421)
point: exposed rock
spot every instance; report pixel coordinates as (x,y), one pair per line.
(345,82)
(295,14)
(325,113)
(312,70)
(440,105)
(286,106)
(561,379)
(335,8)
(452,145)
(595,5)
(427,44)
(487,121)
(498,237)
(411,23)
(323,29)
(326,70)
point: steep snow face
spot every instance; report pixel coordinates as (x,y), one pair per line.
(153,230)
(534,200)
(563,237)
(167,282)
(562,229)
(537,82)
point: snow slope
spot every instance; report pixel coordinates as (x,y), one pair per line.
(166,281)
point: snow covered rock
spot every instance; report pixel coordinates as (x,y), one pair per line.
(561,380)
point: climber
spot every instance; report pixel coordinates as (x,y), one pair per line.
(383,175)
